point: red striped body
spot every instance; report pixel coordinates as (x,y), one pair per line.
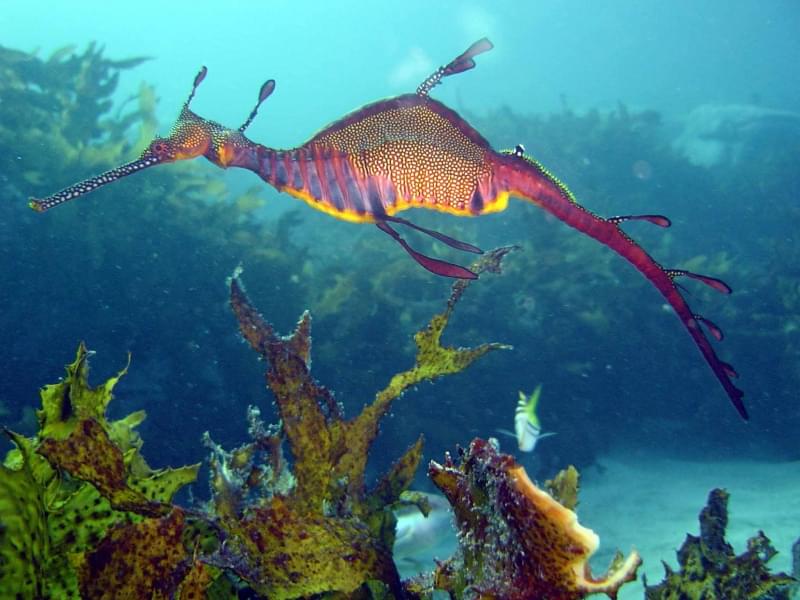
(412,151)
(404,152)
(395,154)
(520,179)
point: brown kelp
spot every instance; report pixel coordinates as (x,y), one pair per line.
(84,515)
(327,532)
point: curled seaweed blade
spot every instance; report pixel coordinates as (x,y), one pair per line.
(76,437)
(517,542)
(89,454)
(160,486)
(66,403)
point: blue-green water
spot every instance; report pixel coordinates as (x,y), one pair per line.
(675,108)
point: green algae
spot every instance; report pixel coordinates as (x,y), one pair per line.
(709,568)
(85,516)
(24,538)
(79,477)
(328,532)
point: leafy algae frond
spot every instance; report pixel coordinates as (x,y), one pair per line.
(328,533)
(24,539)
(64,489)
(136,560)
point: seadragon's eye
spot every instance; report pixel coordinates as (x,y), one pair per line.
(162,149)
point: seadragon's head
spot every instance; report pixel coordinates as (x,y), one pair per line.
(191,136)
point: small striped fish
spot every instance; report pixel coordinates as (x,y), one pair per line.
(526,422)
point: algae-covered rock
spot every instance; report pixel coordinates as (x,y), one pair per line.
(709,568)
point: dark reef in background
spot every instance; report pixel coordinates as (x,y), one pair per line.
(140,267)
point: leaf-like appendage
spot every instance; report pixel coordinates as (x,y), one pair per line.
(66,403)
(137,561)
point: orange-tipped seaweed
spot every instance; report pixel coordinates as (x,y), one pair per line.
(517,541)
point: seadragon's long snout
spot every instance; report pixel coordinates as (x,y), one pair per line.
(191,136)
(160,150)
(148,159)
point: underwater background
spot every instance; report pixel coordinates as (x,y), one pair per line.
(684,109)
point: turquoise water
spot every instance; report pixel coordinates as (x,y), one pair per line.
(676,108)
(330,57)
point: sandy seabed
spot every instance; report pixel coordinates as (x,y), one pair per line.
(651,503)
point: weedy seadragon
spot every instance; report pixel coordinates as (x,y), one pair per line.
(412,151)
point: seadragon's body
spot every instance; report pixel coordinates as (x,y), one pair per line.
(405,152)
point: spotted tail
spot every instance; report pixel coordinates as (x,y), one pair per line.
(524,178)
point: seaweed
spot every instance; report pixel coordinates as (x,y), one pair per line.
(139,560)
(515,540)
(328,532)
(709,568)
(81,476)
(84,515)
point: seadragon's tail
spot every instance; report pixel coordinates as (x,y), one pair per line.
(523,177)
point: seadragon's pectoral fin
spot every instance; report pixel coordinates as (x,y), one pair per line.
(445,239)
(434,265)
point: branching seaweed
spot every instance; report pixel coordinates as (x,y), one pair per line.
(328,532)
(83,515)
